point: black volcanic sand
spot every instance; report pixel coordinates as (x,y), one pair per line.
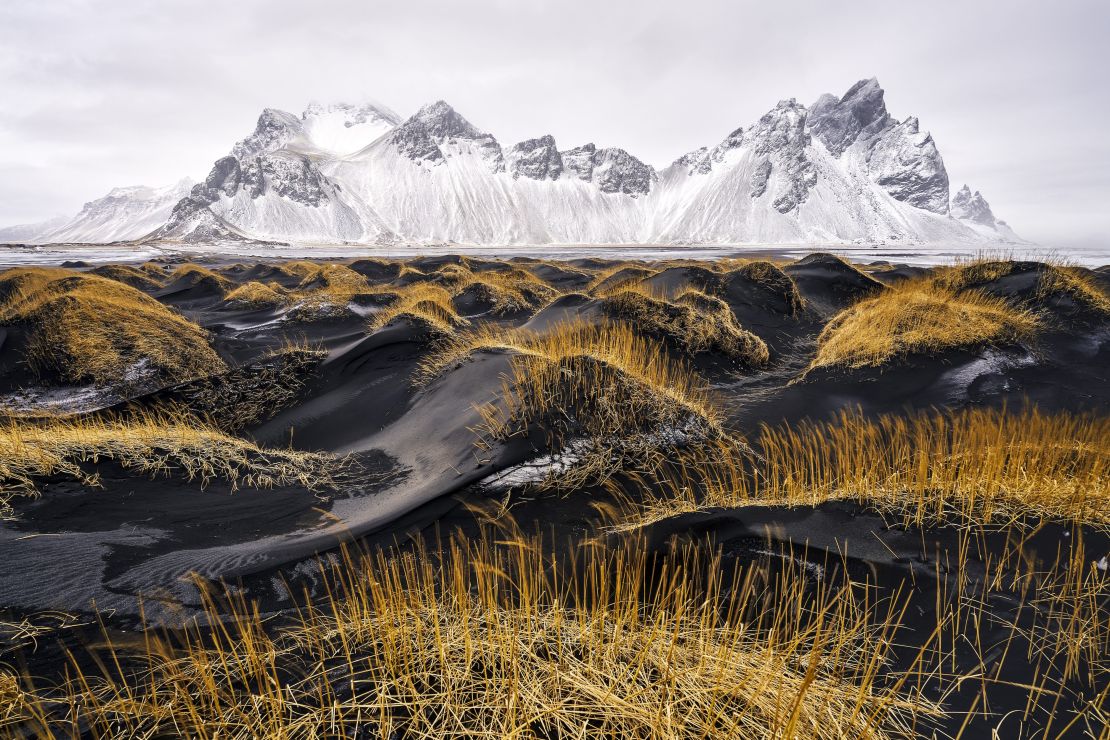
(418,464)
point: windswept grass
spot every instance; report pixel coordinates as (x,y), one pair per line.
(128,275)
(918,316)
(979,465)
(197,275)
(619,277)
(83,328)
(144,444)
(423,302)
(769,276)
(495,643)
(602,394)
(506,291)
(325,290)
(254,294)
(247,395)
(694,320)
(1055,281)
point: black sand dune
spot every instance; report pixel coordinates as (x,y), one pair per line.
(414,461)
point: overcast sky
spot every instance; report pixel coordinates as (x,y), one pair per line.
(100,93)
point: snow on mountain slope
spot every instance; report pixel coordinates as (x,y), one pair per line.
(29,233)
(841,170)
(974,211)
(123,214)
(343,128)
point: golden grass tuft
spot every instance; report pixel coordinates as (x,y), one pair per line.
(918,316)
(85,328)
(1056,280)
(152,444)
(424,302)
(694,320)
(495,643)
(771,277)
(199,275)
(506,291)
(978,465)
(334,280)
(133,276)
(603,394)
(254,294)
(619,277)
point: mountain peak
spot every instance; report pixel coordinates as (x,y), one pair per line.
(538,159)
(436,123)
(441,121)
(860,112)
(274,129)
(972,207)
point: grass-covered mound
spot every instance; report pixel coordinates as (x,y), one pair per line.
(695,321)
(619,277)
(133,276)
(500,292)
(178,445)
(763,284)
(253,294)
(426,304)
(84,328)
(914,317)
(602,394)
(198,278)
(1037,286)
(325,290)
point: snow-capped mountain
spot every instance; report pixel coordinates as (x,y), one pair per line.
(975,211)
(840,170)
(123,214)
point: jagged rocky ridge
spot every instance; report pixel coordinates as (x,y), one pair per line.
(840,170)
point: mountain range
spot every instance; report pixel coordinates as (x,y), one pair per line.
(838,171)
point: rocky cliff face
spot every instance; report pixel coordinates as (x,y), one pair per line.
(972,207)
(424,136)
(536,159)
(859,114)
(781,141)
(906,163)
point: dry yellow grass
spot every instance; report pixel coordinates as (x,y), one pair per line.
(979,465)
(324,289)
(918,316)
(603,394)
(1056,281)
(771,276)
(133,276)
(254,294)
(694,320)
(506,291)
(338,281)
(423,302)
(145,444)
(496,643)
(619,277)
(85,328)
(192,274)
